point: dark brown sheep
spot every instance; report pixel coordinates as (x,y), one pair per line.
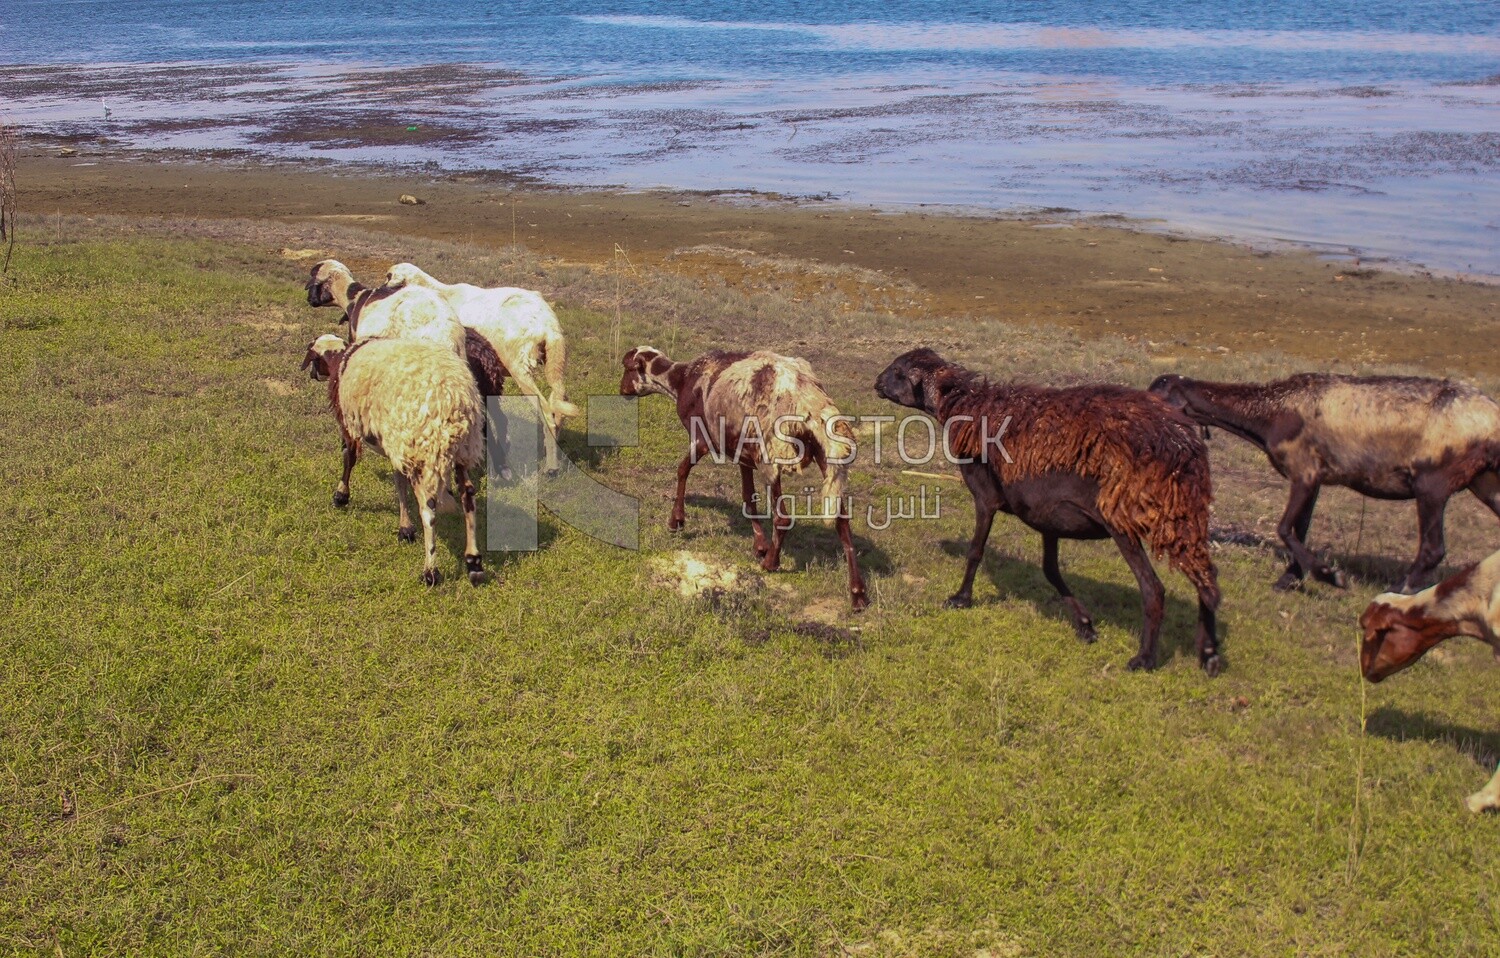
(1090,462)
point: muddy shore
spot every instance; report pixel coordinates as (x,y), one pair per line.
(1183,297)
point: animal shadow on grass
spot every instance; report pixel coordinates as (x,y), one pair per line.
(1398,726)
(1120,605)
(1378,572)
(805,542)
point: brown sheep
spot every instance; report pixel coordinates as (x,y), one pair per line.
(1387,437)
(1399,629)
(1090,462)
(767,412)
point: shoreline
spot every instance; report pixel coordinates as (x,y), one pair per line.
(1398,174)
(1186,298)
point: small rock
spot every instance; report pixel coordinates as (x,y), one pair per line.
(408,200)
(67,151)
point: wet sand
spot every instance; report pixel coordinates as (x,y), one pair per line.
(1183,297)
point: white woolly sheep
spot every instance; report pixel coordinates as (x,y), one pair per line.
(522,328)
(410,312)
(416,403)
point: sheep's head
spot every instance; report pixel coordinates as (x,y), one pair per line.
(1170,387)
(405,273)
(322,354)
(327,277)
(645,372)
(906,381)
(1396,637)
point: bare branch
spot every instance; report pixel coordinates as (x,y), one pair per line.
(7,193)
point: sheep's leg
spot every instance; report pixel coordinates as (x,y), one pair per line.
(857,598)
(425,484)
(1303,497)
(473,559)
(528,387)
(1153,599)
(351,455)
(1431,506)
(405,531)
(781,523)
(1082,623)
(679,505)
(1294,573)
(549,442)
(1487,797)
(752,510)
(1486,488)
(986,503)
(1207,640)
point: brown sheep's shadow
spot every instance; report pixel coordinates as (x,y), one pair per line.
(1107,602)
(1398,726)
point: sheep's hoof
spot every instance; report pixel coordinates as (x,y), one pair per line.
(1333,577)
(1480,802)
(958,601)
(552,473)
(431,577)
(475,566)
(340,498)
(1085,630)
(407,533)
(1214,665)
(858,601)
(675,525)
(1141,663)
(1289,582)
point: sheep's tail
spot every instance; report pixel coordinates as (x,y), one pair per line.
(1179,528)
(838,448)
(555,365)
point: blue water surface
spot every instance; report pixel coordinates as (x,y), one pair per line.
(1140,41)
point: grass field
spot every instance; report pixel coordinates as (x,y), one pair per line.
(233,722)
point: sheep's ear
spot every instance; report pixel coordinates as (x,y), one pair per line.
(628,361)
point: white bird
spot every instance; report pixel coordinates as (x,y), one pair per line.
(107,110)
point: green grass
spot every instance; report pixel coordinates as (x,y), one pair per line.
(233,722)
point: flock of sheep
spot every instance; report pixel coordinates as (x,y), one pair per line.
(1087,462)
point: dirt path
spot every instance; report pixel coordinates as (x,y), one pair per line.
(1189,297)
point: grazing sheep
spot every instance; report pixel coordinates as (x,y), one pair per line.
(390,311)
(1399,629)
(1387,437)
(1090,462)
(764,411)
(524,331)
(416,403)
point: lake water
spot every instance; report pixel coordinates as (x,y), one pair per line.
(1355,126)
